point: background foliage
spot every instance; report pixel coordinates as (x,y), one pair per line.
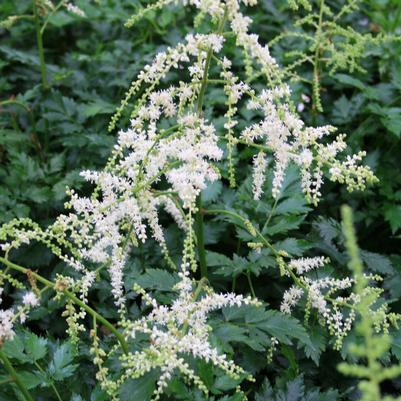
(48,136)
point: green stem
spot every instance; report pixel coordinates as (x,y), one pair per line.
(59,5)
(270,215)
(14,375)
(51,384)
(200,236)
(73,298)
(248,276)
(39,39)
(195,296)
(199,214)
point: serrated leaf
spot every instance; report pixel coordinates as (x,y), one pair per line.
(396,345)
(293,246)
(282,327)
(294,390)
(212,192)
(15,349)
(293,205)
(35,347)
(265,393)
(61,366)
(276,324)
(98,106)
(157,279)
(284,224)
(225,383)
(139,389)
(217,259)
(392,214)
(351,81)
(376,262)
(317,344)
(205,372)
(30,380)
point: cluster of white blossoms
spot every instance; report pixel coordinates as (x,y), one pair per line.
(284,134)
(337,312)
(9,316)
(179,332)
(6,322)
(6,325)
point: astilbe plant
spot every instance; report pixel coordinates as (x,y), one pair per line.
(165,158)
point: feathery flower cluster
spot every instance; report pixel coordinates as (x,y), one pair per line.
(259,168)
(9,316)
(284,133)
(335,311)
(179,331)
(6,325)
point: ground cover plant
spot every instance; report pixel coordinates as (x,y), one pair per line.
(172,181)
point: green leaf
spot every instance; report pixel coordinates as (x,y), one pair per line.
(31,380)
(139,389)
(217,259)
(392,120)
(281,326)
(212,192)
(283,225)
(61,366)
(62,18)
(396,345)
(274,323)
(205,372)
(293,205)
(294,390)
(98,106)
(157,279)
(341,110)
(35,347)
(56,163)
(38,195)
(14,349)
(317,344)
(351,81)
(293,246)
(225,383)
(265,393)
(228,332)
(392,215)
(376,262)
